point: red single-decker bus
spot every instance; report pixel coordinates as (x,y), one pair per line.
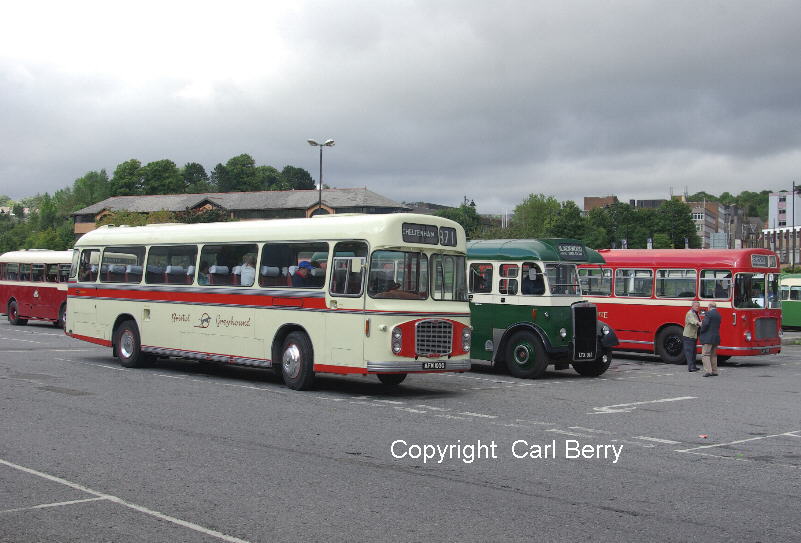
(33,285)
(645,294)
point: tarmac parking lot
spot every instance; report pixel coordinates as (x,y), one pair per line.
(184,451)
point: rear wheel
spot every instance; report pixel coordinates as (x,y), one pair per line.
(723,358)
(13,314)
(669,345)
(596,367)
(62,317)
(128,346)
(391,379)
(297,361)
(525,356)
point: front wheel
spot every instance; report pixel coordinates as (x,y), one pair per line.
(128,346)
(669,345)
(391,379)
(13,314)
(297,361)
(596,367)
(525,356)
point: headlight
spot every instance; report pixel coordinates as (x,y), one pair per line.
(397,340)
(748,335)
(563,332)
(467,336)
(605,329)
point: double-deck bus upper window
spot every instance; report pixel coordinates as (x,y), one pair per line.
(562,279)
(448,280)
(347,268)
(716,284)
(675,283)
(398,274)
(635,283)
(299,265)
(480,278)
(508,283)
(596,281)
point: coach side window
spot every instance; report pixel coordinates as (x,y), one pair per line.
(531,280)
(716,284)
(347,268)
(636,283)
(508,274)
(89,265)
(595,281)
(228,264)
(675,283)
(38,273)
(171,265)
(298,265)
(122,265)
(12,271)
(481,278)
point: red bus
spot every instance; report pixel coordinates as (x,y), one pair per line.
(644,295)
(33,285)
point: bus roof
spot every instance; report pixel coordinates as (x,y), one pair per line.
(546,249)
(676,258)
(384,230)
(37,256)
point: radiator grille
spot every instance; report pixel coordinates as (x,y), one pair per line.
(433,337)
(765,328)
(585,318)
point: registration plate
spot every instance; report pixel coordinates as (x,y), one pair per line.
(433,365)
(765,350)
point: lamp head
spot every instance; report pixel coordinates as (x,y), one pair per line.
(313,143)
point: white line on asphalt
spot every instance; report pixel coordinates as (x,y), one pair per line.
(23,340)
(589,430)
(565,432)
(658,440)
(792,434)
(742,459)
(626,407)
(393,402)
(534,422)
(431,408)
(480,415)
(52,351)
(449,417)
(45,505)
(130,505)
(408,409)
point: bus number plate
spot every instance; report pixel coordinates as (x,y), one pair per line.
(765,350)
(433,365)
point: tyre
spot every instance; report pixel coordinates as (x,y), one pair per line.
(669,345)
(62,317)
(13,314)
(723,358)
(525,356)
(128,346)
(596,367)
(297,361)
(391,379)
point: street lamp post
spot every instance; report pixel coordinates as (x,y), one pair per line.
(326,143)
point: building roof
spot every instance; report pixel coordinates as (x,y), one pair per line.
(277,199)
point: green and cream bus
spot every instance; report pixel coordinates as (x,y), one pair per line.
(527,309)
(343,294)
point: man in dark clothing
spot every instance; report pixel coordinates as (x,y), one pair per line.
(710,339)
(301,276)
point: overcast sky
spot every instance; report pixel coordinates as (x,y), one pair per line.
(428,100)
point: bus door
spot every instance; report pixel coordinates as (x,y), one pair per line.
(82,305)
(345,319)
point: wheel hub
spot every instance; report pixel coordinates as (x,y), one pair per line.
(291,361)
(127,344)
(522,354)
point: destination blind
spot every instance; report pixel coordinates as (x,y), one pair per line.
(429,234)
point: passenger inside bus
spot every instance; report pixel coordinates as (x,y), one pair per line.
(248,271)
(532,286)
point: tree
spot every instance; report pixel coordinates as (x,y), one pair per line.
(195,178)
(5,201)
(465,215)
(568,222)
(93,187)
(161,177)
(268,178)
(675,219)
(219,179)
(535,216)
(297,178)
(127,179)
(241,176)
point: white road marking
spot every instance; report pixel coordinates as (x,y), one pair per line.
(46,505)
(431,408)
(626,407)
(480,415)
(791,434)
(589,430)
(565,432)
(658,440)
(409,409)
(393,402)
(186,524)
(16,339)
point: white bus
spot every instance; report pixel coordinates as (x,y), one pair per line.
(289,294)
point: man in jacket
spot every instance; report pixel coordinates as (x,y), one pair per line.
(690,335)
(710,339)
